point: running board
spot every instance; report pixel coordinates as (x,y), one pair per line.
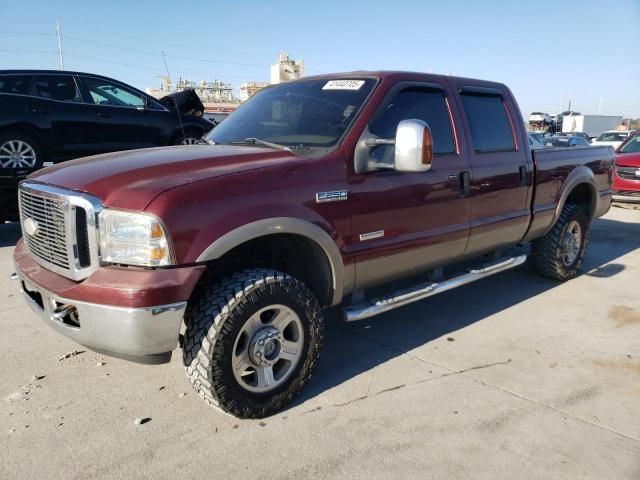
(383,304)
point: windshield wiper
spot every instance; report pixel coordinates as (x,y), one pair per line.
(258,141)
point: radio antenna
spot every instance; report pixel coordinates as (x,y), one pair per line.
(60,56)
(164,58)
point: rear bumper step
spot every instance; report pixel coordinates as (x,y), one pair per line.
(421,291)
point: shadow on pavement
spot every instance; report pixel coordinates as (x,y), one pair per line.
(354,348)
(10,233)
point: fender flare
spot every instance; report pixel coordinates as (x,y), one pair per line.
(270,226)
(579,175)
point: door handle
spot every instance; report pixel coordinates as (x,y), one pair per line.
(523,175)
(43,111)
(103,115)
(465,183)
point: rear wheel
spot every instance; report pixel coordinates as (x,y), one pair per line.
(19,150)
(190,137)
(252,342)
(560,253)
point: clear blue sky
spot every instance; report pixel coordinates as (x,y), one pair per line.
(586,50)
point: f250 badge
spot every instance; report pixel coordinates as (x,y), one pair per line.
(335,196)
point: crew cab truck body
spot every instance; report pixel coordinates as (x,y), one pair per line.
(309,194)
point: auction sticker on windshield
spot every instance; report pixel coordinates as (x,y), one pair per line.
(343,85)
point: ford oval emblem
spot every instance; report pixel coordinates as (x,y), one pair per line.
(31,227)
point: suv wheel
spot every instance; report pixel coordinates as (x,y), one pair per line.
(18,150)
(190,137)
(560,253)
(252,342)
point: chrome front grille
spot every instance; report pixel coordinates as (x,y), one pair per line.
(59,228)
(48,242)
(629,173)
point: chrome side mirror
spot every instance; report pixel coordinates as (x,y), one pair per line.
(413,146)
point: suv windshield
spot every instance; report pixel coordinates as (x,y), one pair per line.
(299,115)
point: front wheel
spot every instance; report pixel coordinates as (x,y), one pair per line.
(252,342)
(560,253)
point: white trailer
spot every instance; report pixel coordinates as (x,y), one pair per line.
(592,125)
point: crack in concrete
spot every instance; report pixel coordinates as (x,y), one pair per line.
(482,382)
(430,379)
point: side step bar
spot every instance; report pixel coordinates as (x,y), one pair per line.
(383,304)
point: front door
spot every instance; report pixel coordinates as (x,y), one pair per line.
(403,222)
(124,121)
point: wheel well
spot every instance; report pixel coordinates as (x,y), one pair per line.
(24,128)
(177,135)
(296,255)
(582,196)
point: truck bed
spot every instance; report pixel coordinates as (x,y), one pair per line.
(555,168)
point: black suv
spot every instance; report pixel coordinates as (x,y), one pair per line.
(48,116)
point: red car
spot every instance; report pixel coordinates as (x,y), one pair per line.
(626,182)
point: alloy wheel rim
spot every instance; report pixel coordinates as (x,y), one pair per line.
(190,141)
(571,243)
(267,349)
(17,154)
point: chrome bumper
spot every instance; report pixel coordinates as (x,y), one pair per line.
(131,333)
(626,198)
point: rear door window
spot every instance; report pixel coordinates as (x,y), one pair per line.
(489,122)
(16,84)
(56,87)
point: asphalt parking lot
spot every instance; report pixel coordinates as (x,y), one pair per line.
(512,377)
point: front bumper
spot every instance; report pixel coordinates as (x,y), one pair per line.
(145,334)
(134,314)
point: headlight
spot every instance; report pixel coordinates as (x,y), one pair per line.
(133,239)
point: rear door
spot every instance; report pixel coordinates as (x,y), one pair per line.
(125,122)
(501,168)
(55,101)
(407,222)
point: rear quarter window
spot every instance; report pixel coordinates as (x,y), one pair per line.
(489,123)
(16,84)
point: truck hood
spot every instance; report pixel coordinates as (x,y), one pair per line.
(131,180)
(628,159)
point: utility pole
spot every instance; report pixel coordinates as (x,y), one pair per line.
(60,56)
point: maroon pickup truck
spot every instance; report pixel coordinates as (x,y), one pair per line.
(308,195)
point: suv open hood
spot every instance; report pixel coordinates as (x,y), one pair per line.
(187,101)
(131,180)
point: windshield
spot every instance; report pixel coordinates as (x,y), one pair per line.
(612,137)
(299,115)
(632,146)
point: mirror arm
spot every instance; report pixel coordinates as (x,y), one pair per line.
(372,142)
